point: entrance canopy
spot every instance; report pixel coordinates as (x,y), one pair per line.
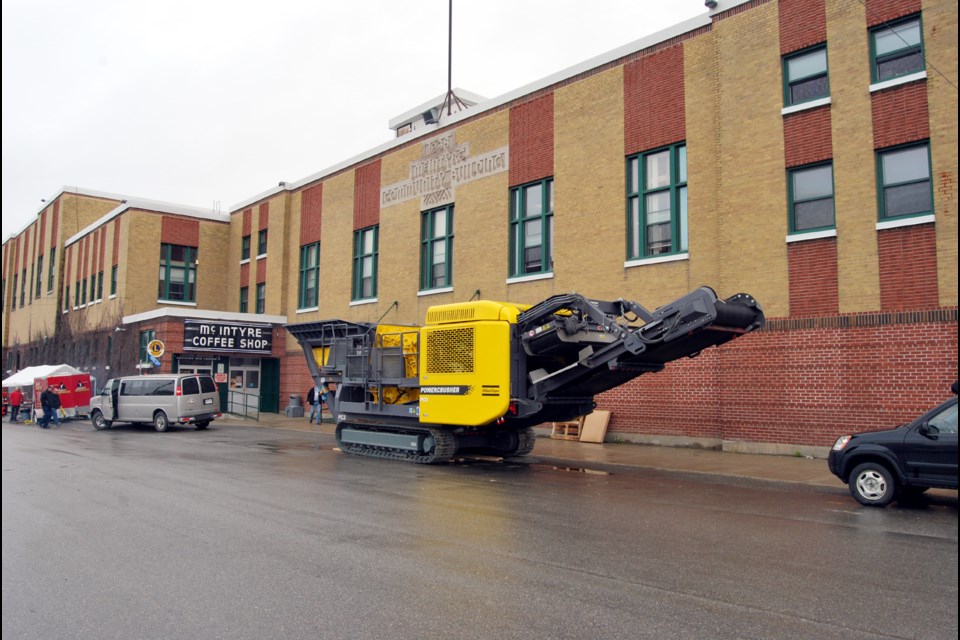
(25,377)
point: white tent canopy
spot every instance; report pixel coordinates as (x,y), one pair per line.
(25,377)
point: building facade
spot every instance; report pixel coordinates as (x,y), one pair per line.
(802,151)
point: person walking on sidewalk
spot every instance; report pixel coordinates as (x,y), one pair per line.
(313,399)
(16,399)
(50,402)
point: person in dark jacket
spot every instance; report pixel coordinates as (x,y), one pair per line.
(50,403)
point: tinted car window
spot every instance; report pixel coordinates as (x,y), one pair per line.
(946,420)
(161,388)
(131,388)
(190,386)
(207,385)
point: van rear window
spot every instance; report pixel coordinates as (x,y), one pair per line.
(190,386)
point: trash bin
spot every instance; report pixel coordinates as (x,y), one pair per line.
(294,407)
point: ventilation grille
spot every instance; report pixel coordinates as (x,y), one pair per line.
(444,316)
(450,351)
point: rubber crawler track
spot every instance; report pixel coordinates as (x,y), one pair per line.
(444,449)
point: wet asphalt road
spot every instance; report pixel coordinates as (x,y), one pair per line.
(244,532)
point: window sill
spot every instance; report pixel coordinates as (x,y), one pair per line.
(645,261)
(112,296)
(531,278)
(179,303)
(905,222)
(895,82)
(357,303)
(811,235)
(803,106)
(308,310)
(262,256)
(430,292)
(245,261)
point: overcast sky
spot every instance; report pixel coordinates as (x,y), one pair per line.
(209,102)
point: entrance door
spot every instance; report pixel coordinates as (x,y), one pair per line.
(245,386)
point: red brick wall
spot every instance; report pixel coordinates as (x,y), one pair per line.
(803,385)
(883,10)
(261,271)
(653,101)
(245,274)
(900,115)
(813,277)
(311,209)
(531,140)
(366,196)
(263,216)
(295,378)
(116,240)
(180,231)
(803,23)
(247,222)
(55,225)
(908,267)
(43,231)
(807,136)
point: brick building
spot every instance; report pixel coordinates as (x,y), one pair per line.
(803,151)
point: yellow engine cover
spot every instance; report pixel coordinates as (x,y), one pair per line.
(464,373)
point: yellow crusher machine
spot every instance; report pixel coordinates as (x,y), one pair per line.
(479,375)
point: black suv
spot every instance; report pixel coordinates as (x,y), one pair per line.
(880,466)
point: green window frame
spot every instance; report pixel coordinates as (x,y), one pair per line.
(810,197)
(66,298)
(896,49)
(309,290)
(13,298)
(365,259)
(805,76)
(100,286)
(436,248)
(51,269)
(39,277)
(657,202)
(244,299)
(262,243)
(76,294)
(905,188)
(146,337)
(83,292)
(245,248)
(531,228)
(261,298)
(93,288)
(24,285)
(113,280)
(178,273)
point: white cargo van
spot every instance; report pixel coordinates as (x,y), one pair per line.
(159,399)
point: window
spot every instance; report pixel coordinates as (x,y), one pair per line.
(146,337)
(309,276)
(113,280)
(93,288)
(245,248)
(896,50)
(66,298)
(100,286)
(178,273)
(436,248)
(531,228)
(365,263)
(23,288)
(244,295)
(810,193)
(13,299)
(50,272)
(657,202)
(261,297)
(32,280)
(76,294)
(805,76)
(83,291)
(39,277)
(262,243)
(904,179)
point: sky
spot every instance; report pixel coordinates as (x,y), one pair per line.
(208,103)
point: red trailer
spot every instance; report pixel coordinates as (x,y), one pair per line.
(74,390)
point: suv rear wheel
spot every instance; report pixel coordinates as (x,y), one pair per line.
(873,485)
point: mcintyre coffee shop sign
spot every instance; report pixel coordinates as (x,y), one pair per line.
(234,337)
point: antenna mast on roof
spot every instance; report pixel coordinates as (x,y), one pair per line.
(451,97)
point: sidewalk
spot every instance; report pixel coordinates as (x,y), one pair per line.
(609,456)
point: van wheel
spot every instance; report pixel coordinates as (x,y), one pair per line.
(160,422)
(203,424)
(873,485)
(99,421)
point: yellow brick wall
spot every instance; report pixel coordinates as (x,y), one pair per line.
(398,271)
(139,260)
(855,189)
(213,264)
(940,45)
(282,250)
(336,252)
(752,180)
